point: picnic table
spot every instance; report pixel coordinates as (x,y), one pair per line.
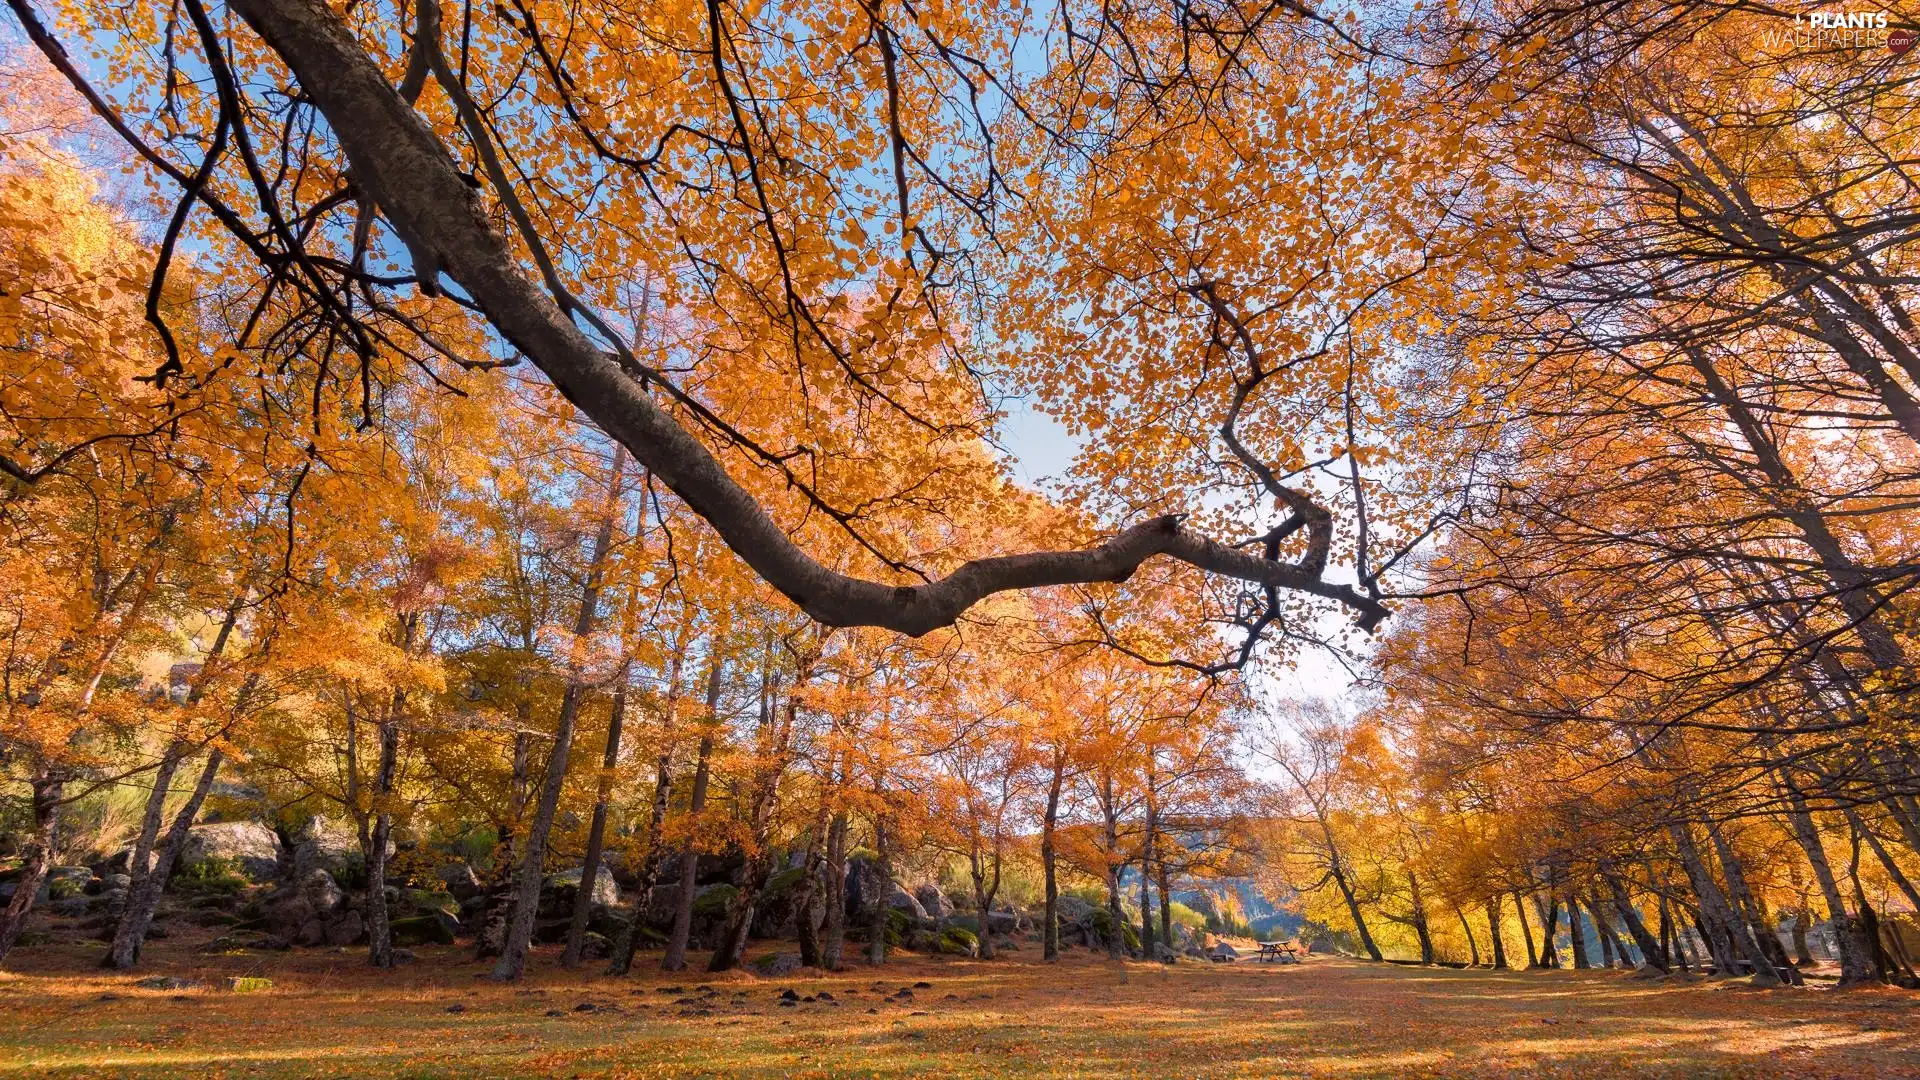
(1274,950)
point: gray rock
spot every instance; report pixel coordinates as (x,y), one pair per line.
(168,982)
(461,882)
(1224,951)
(320,891)
(325,843)
(346,929)
(933,901)
(1164,953)
(780,965)
(248,846)
(604,890)
(1006,921)
(906,902)
(1072,908)
(122,862)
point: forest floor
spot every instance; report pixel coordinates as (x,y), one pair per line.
(326,1014)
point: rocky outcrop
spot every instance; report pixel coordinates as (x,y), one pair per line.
(247,846)
(460,881)
(311,911)
(933,901)
(329,844)
(905,901)
(565,885)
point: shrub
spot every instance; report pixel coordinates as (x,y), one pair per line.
(1094,895)
(1187,917)
(216,874)
(1102,921)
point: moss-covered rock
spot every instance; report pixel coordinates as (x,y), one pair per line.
(958,941)
(431,929)
(714,902)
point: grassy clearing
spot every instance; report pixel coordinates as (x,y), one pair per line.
(327,1015)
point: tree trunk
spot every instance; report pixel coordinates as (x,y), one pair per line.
(1050,921)
(498,912)
(123,954)
(1894,873)
(982,898)
(532,870)
(1750,908)
(676,954)
(1608,946)
(623,950)
(1473,947)
(1420,928)
(1166,904)
(1147,935)
(1146,876)
(1353,904)
(771,740)
(1493,930)
(1611,946)
(803,893)
(1715,908)
(731,949)
(48,784)
(1650,950)
(1526,931)
(596,832)
(1549,948)
(1856,949)
(833,936)
(144,896)
(1576,935)
(879,918)
(1802,955)
(373,842)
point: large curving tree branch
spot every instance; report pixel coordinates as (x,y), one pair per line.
(398,160)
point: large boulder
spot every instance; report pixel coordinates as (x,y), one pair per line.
(957,941)
(1071,908)
(66,882)
(301,911)
(905,901)
(436,928)
(565,885)
(347,928)
(460,881)
(248,846)
(1003,919)
(779,965)
(777,913)
(933,901)
(329,844)
(121,862)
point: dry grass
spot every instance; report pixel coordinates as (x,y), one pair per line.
(329,1016)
